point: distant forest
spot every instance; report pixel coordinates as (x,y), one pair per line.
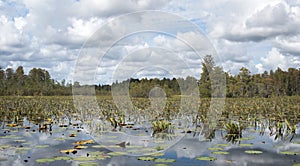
(38,82)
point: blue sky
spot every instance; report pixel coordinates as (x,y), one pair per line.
(258,34)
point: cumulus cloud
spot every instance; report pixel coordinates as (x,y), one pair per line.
(269,22)
(49,34)
(275,59)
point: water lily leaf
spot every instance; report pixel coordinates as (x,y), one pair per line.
(83,142)
(98,146)
(10,137)
(220,152)
(245,145)
(222,145)
(62,158)
(146,158)
(80,147)
(157,154)
(2,147)
(84,158)
(88,164)
(161,164)
(20,140)
(206,158)
(245,138)
(102,157)
(60,139)
(23,148)
(45,160)
(163,160)
(159,148)
(289,153)
(11,125)
(297,164)
(67,151)
(117,153)
(253,152)
(215,149)
(41,146)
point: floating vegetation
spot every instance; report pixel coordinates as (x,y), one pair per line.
(220,152)
(245,145)
(45,160)
(62,158)
(215,149)
(157,154)
(88,164)
(117,153)
(161,164)
(222,145)
(98,146)
(60,123)
(253,152)
(164,160)
(289,152)
(80,147)
(2,147)
(206,158)
(159,148)
(84,158)
(245,138)
(12,125)
(68,151)
(83,142)
(161,126)
(41,146)
(146,158)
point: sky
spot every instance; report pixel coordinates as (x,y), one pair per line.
(102,41)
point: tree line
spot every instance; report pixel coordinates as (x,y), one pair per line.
(38,82)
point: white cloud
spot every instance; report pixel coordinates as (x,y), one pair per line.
(49,34)
(275,59)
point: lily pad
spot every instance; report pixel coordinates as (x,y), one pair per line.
(146,158)
(88,164)
(41,146)
(2,147)
(220,152)
(253,152)
(80,147)
(67,151)
(83,142)
(117,153)
(98,146)
(244,138)
(163,160)
(84,158)
(215,149)
(289,153)
(45,160)
(157,154)
(62,158)
(206,158)
(161,165)
(245,145)
(222,145)
(20,140)
(23,148)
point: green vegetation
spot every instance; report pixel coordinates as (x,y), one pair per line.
(268,84)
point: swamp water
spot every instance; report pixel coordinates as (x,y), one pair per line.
(237,139)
